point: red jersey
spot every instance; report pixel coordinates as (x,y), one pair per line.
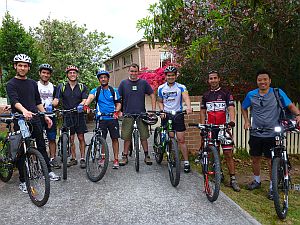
(216,102)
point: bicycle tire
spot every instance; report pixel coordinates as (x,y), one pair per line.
(64,148)
(157,147)
(36,177)
(6,167)
(94,170)
(280,187)
(136,148)
(212,173)
(173,162)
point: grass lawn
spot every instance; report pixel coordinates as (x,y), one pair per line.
(255,202)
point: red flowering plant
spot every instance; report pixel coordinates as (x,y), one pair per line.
(154,77)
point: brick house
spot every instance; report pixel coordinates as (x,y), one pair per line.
(139,53)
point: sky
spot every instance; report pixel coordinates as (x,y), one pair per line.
(117,18)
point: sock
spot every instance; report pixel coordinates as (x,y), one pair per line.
(51,159)
(186,162)
(232,177)
(270,185)
(146,154)
(257,179)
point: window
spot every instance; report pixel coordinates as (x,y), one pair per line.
(165,57)
(109,66)
(117,63)
(127,60)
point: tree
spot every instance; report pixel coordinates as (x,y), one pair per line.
(63,43)
(234,37)
(15,40)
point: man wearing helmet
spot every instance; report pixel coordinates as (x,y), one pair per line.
(47,93)
(133,91)
(25,98)
(216,103)
(73,95)
(107,101)
(170,96)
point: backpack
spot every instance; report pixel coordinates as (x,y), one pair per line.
(285,113)
(112,91)
(64,87)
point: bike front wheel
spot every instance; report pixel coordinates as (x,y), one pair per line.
(136,148)
(6,167)
(64,148)
(211,173)
(280,186)
(157,146)
(97,158)
(173,162)
(36,177)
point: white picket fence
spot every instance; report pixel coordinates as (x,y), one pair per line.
(241,136)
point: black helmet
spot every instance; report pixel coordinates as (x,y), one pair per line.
(170,69)
(45,67)
(150,119)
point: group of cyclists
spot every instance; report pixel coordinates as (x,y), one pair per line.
(217,107)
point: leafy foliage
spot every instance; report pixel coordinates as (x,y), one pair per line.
(234,37)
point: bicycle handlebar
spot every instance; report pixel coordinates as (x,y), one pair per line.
(212,126)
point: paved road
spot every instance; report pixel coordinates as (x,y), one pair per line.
(122,197)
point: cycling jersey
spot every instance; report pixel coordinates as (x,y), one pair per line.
(171,96)
(216,102)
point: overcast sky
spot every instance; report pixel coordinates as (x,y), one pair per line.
(114,17)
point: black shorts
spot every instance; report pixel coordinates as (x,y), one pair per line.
(261,146)
(177,123)
(76,122)
(112,126)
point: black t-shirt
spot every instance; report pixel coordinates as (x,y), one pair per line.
(24,92)
(71,98)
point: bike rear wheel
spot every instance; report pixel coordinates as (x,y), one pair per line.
(6,167)
(36,177)
(211,173)
(97,158)
(136,148)
(157,146)
(280,186)
(173,162)
(64,148)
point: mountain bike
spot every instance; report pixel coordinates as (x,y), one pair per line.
(208,156)
(136,142)
(64,143)
(19,144)
(164,143)
(97,156)
(281,179)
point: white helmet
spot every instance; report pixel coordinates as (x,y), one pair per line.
(22,58)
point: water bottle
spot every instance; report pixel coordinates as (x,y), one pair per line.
(163,136)
(24,128)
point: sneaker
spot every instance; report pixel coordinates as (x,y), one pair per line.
(82,164)
(54,164)
(72,162)
(253,185)
(22,187)
(147,160)
(234,185)
(270,195)
(101,162)
(116,164)
(53,176)
(187,168)
(124,160)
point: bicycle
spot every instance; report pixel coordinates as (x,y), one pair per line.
(163,143)
(136,142)
(209,158)
(281,180)
(64,143)
(97,156)
(35,168)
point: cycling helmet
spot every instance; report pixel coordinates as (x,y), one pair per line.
(170,69)
(71,67)
(45,67)
(150,119)
(102,72)
(22,58)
